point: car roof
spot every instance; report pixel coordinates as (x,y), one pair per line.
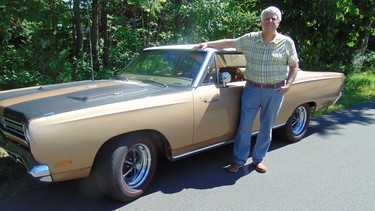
(187,47)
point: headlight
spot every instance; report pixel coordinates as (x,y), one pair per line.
(26,133)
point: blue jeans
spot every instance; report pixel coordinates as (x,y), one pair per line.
(269,102)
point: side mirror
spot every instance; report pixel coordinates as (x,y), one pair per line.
(225,78)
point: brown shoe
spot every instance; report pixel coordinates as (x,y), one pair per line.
(233,168)
(260,167)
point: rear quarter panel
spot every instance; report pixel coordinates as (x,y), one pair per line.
(319,88)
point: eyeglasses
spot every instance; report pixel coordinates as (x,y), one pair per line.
(270,19)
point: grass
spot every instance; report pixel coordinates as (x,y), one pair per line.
(359,88)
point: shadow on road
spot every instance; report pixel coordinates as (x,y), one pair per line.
(330,123)
(202,171)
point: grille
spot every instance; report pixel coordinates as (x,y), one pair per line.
(13,127)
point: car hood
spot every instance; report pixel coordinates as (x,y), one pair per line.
(35,102)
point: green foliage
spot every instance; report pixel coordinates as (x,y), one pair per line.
(34,44)
(217,20)
(362,63)
(326,32)
(369,63)
(359,88)
(14,72)
(37,37)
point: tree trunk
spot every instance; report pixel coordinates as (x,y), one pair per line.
(364,43)
(95,35)
(104,32)
(78,41)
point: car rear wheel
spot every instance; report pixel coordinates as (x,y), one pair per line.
(297,124)
(126,166)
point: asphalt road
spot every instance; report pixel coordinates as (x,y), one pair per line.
(332,168)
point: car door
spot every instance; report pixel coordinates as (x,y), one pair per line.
(216,109)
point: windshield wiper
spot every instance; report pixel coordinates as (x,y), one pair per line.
(122,78)
(155,82)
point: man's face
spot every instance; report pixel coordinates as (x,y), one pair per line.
(270,22)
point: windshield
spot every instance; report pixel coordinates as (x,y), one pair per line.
(170,67)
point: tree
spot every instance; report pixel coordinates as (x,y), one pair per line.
(365,22)
(77,21)
(95,35)
(37,46)
(105,33)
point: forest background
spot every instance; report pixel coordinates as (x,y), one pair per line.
(48,41)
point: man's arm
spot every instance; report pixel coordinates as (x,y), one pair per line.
(224,43)
(293,69)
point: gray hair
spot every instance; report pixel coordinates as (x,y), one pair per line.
(272,10)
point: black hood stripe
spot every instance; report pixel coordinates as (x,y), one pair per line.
(37,107)
(8,99)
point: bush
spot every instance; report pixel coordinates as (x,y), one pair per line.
(363,63)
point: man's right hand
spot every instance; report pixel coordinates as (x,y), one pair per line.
(200,45)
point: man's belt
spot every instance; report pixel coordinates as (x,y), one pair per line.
(266,86)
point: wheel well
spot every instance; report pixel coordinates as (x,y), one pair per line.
(312,106)
(161,143)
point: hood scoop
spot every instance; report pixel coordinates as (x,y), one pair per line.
(110,92)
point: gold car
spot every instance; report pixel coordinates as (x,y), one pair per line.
(171,101)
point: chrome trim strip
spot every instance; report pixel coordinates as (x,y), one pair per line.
(338,97)
(15,138)
(13,126)
(199,78)
(174,158)
(177,157)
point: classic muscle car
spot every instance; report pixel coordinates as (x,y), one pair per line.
(171,101)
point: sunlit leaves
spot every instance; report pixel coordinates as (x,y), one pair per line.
(36,37)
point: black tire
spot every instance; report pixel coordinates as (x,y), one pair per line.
(297,124)
(125,167)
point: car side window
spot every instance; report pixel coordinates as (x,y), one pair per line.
(211,76)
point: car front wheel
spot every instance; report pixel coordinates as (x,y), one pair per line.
(297,124)
(126,166)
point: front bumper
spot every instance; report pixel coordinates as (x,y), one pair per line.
(40,172)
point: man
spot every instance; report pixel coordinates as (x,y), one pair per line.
(272,65)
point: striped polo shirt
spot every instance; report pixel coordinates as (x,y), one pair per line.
(267,64)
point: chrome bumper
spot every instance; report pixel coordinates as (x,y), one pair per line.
(41,173)
(20,154)
(338,97)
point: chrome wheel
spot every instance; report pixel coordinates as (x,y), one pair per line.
(299,120)
(126,165)
(137,165)
(297,124)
